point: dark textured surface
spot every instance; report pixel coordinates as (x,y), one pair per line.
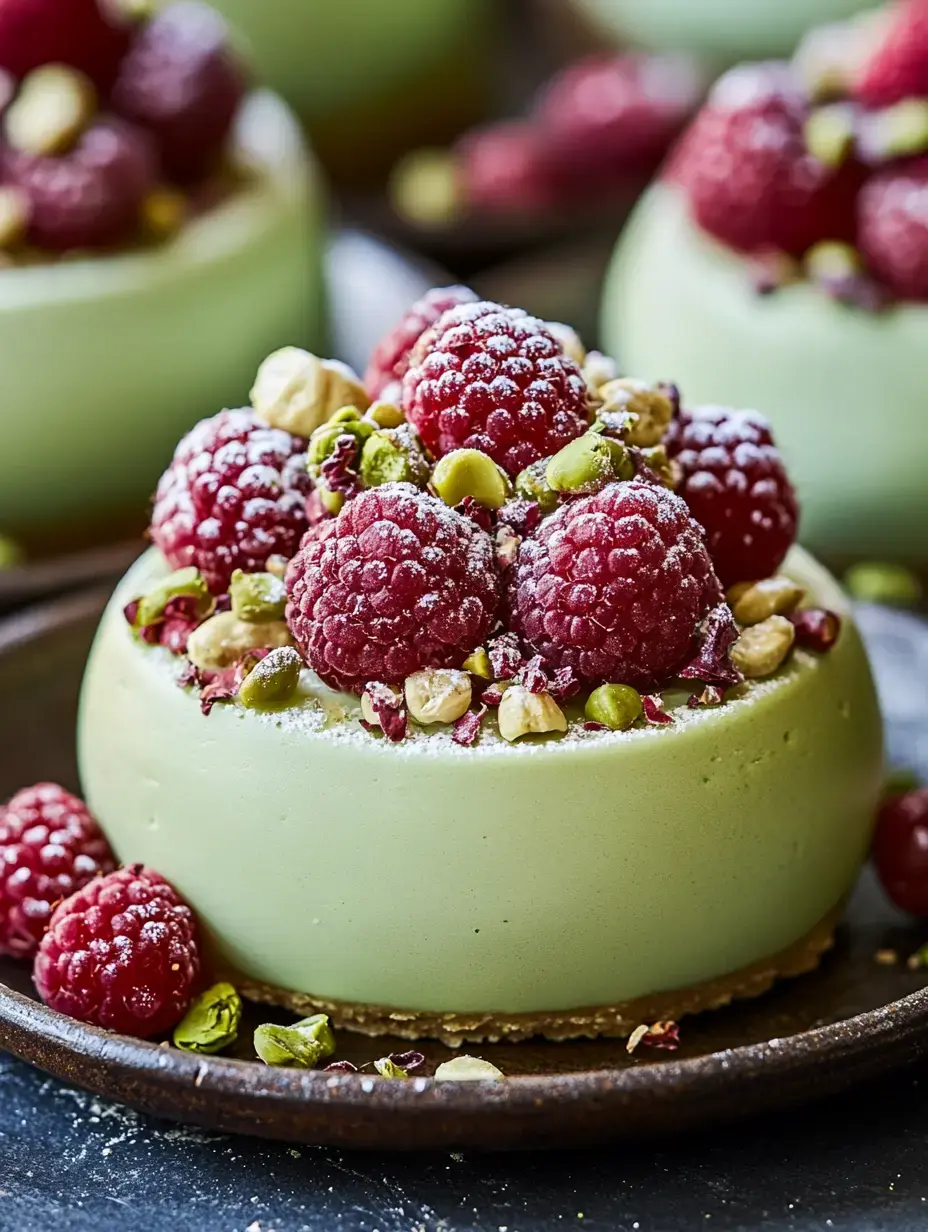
(855,1163)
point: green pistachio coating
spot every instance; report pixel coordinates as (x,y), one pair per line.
(469,472)
(273,680)
(180,584)
(616,706)
(587,464)
(301,1046)
(212,1021)
(532,485)
(257,597)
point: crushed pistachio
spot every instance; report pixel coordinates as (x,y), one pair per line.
(761,648)
(774,596)
(273,680)
(301,1046)
(522,713)
(426,189)
(223,639)
(886,958)
(182,583)
(918,960)
(393,455)
(570,341)
(257,597)
(212,1021)
(468,1069)
(599,370)
(398,1064)
(469,472)
(831,261)
(437,695)
(11,553)
(532,485)
(164,212)
(615,706)
(478,664)
(649,408)
(298,392)
(346,421)
(54,105)
(585,465)
(829,133)
(636,1037)
(883,582)
(385,415)
(899,131)
(14,216)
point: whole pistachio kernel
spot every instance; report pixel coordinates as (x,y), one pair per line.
(54,105)
(775,596)
(385,415)
(468,472)
(829,133)
(273,680)
(181,584)
(345,422)
(212,1021)
(332,502)
(616,706)
(301,1046)
(257,596)
(831,259)
(532,485)
(468,1069)
(522,713)
(478,664)
(223,639)
(761,648)
(298,392)
(437,695)
(585,465)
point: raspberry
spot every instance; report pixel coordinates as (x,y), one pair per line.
(89,197)
(898,68)
(505,168)
(893,231)
(495,379)
(900,850)
(234,495)
(180,82)
(608,115)
(75,32)
(391,358)
(121,953)
(750,180)
(736,486)
(50,846)
(614,586)
(399,583)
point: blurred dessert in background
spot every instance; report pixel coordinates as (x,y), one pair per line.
(723,30)
(782,264)
(159,230)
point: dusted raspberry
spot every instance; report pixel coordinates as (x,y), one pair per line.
(391,358)
(505,168)
(121,953)
(736,486)
(50,846)
(401,582)
(898,68)
(493,378)
(90,197)
(750,180)
(608,115)
(893,233)
(181,82)
(75,32)
(234,495)
(900,850)
(615,586)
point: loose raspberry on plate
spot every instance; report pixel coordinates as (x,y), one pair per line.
(736,486)
(615,586)
(234,495)
(50,846)
(121,953)
(181,82)
(495,379)
(90,197)
(750,180)
(898,67)
(400,582)
(76,32)
(900,850)
(505,168)
(390,360)
(893,233)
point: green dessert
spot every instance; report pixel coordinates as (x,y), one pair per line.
(549,730)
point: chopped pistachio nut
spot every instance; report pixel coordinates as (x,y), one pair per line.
(182,583)
(14,216)
(761,649)
(164,211)
(212,1021)
(651,408)
(54,105)
(468,472)
(616,706)
(532,485)
(570,341)
(478,664)
(425,187)
(257,596)
(332,502)
(468,1069)
(664,468)
(273,680)
(10,553)
(775,596)
(297,391)
(368,713)
(599,370)
(385,415)
(586,464)
(521,713)
(437,695)
(830,260)
(277,565)
(899,131)
(829,133)
(883,582)
(223,639)
(301,1046)
(346,421)
(386,1067)
(394,455)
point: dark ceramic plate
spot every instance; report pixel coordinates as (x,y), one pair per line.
(853,1019)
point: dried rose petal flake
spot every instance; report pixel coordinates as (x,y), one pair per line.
(521,516)
(662,1035)
(712,663)
(389,708)
(655,715)
(469,508)
(467,728)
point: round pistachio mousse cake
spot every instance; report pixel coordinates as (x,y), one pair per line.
(782,263)
(487,696)
(159,232)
